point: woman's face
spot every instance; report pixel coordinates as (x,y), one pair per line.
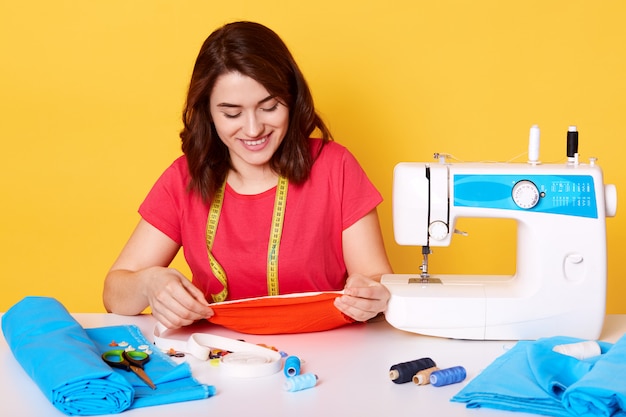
(248,120)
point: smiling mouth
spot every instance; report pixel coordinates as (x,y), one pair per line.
(255,142)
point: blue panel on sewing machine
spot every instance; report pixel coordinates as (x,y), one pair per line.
(572,195)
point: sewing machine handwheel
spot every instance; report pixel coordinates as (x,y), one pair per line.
(438,230)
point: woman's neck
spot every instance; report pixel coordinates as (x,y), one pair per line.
(250,183)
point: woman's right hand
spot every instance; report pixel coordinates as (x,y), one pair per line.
(173,299)
(141,278)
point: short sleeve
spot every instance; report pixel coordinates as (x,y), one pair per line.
(162,207)
(359,195)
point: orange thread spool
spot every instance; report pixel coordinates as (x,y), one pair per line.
(423,376)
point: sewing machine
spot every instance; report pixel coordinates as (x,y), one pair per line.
(559,284)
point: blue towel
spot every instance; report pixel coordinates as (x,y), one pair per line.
(532,378)
(64,360)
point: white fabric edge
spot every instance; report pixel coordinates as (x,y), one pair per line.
(246,360)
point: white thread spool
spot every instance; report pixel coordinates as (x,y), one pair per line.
(533,145)
(579,350)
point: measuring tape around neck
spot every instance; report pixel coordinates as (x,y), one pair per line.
(276,231)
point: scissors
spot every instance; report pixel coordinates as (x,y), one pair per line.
(131,361)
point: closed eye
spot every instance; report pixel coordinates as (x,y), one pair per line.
(231,116)
(227,108)
(270,109)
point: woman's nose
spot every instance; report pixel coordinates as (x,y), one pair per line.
(253,127)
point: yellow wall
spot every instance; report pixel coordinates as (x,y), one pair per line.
(91,94)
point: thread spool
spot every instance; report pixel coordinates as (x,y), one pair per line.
(572,143)
(403,372)
(534,140)
(423,376)
(579,350)
(292,366)
(300,382)
(448,376)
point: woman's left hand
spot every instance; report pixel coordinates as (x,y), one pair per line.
(363,298)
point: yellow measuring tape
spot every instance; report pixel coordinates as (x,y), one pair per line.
(278,217)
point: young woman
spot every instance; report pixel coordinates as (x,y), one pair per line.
(258,206)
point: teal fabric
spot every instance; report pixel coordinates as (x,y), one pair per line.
(64,360)
(532,378)
(174,382)
(602,391)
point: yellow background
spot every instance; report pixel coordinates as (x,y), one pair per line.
(91,94)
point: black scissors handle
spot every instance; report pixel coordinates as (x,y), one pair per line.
(130,361)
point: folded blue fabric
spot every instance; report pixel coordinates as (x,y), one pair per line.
(57,354)
(532,378)
(602,391)
(174,381)
(66,364)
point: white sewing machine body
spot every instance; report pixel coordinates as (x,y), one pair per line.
(559,285)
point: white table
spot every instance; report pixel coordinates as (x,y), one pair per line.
(352,364)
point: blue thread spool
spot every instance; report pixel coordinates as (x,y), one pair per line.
(300,382)
(404,372)
(292,366)
(447,376)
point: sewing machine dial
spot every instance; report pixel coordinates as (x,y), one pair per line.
(438,230)
(525,194)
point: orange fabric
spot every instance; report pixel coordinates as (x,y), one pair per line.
(278,315)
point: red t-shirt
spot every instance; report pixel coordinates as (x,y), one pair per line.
(336,195)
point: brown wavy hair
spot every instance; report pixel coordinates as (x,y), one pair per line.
(255,51)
